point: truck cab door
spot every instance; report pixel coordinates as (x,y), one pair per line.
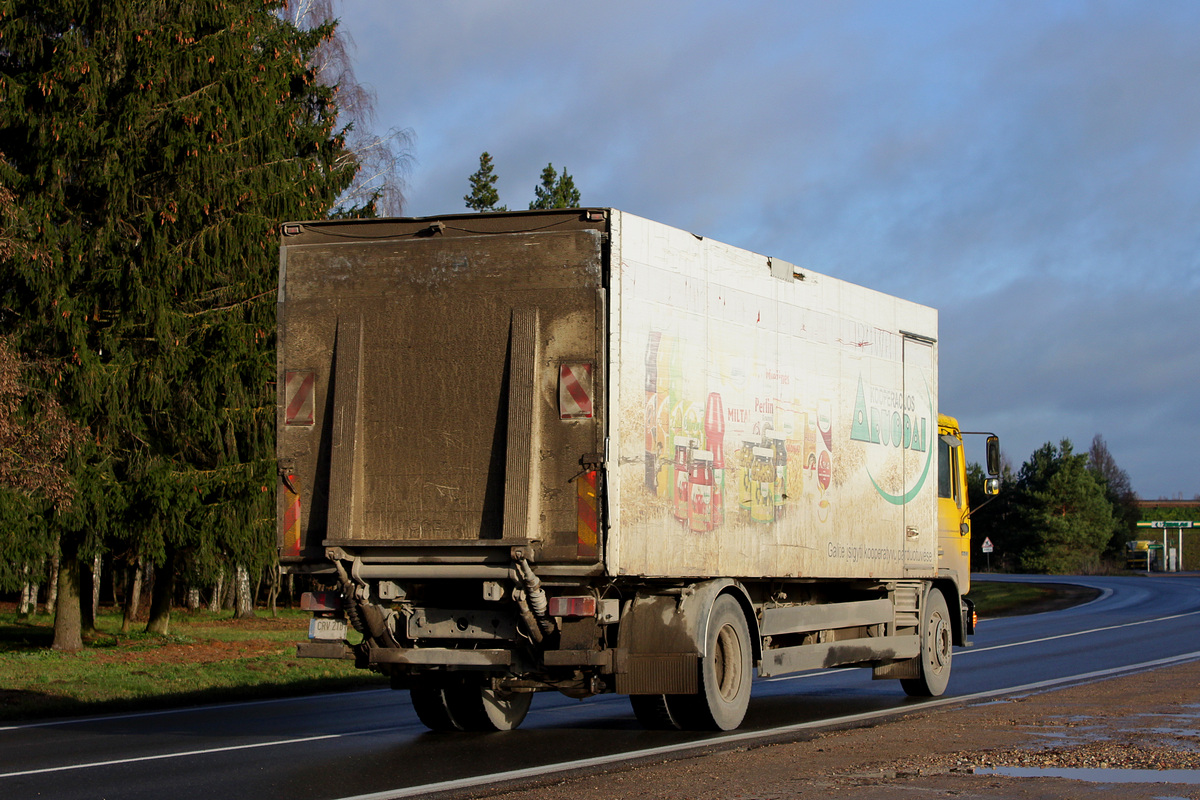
(954,524)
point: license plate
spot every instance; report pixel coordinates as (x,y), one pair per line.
(322,628)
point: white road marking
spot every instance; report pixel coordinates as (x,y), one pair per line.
(186,709)
(1076,633)
(651,752)
(733,738)
(187,753)
(966,651)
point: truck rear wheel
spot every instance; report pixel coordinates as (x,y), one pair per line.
(937,647)
(430,703)
(725,674)
(653,712)
(478,707)
(468,705)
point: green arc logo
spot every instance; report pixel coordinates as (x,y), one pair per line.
(860,425)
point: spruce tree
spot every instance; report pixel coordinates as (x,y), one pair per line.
(483,195)
(1065,520)
(153,148)
(555,191)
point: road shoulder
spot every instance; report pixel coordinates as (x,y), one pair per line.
(1149,721)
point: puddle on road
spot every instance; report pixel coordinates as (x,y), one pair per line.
(1177,731)
(1098,775)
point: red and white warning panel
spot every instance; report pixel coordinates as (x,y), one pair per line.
(575,391)
(298,395)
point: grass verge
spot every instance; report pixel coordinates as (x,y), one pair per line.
(207,658)
(1002,599)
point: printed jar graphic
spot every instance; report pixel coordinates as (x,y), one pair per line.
(700,507)
(762,481)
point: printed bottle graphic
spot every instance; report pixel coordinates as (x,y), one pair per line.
(700,489)
(714,437)
(825,421)
(653,444)
(779,445)
(662,428)
(810,446)
(762,478)
(682,484)
(795,448)
(745,482)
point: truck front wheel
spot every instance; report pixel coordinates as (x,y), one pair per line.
(937,646)
(726,673)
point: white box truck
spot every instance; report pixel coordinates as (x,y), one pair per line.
(582,451)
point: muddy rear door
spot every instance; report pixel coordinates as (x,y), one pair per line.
(440,382)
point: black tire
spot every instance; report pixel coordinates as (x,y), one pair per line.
(937,647)
(653,712)
(726,672)
(433,709)
(478,707)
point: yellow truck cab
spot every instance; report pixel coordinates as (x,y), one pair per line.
(953,509)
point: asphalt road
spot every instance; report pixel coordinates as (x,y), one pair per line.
(370,744)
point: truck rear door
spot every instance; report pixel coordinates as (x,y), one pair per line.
(440,382)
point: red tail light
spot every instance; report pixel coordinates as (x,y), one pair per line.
(320,601)
(573,606)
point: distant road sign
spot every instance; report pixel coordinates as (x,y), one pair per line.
(987,545)
(1163,524)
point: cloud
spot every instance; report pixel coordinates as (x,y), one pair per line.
(1048,359)
(1030,168)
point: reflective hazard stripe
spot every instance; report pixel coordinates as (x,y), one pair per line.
(575,391)
(585,493)
(298,397)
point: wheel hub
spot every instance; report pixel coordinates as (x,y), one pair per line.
(941,643)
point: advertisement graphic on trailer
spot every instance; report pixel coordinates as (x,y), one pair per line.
(748,447)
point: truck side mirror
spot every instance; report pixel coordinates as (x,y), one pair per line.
(991,486)
(993,457)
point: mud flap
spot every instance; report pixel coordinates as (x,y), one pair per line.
(662,639)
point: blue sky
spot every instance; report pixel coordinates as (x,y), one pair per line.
(1030,169)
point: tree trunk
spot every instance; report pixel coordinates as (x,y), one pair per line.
(243,604)
(88,581)
(68,631)
(193,598)
(52,581)
(214,602)
(96,579)
(230,594)
(161,595)
(23,607)
(133,597)
(273,588)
